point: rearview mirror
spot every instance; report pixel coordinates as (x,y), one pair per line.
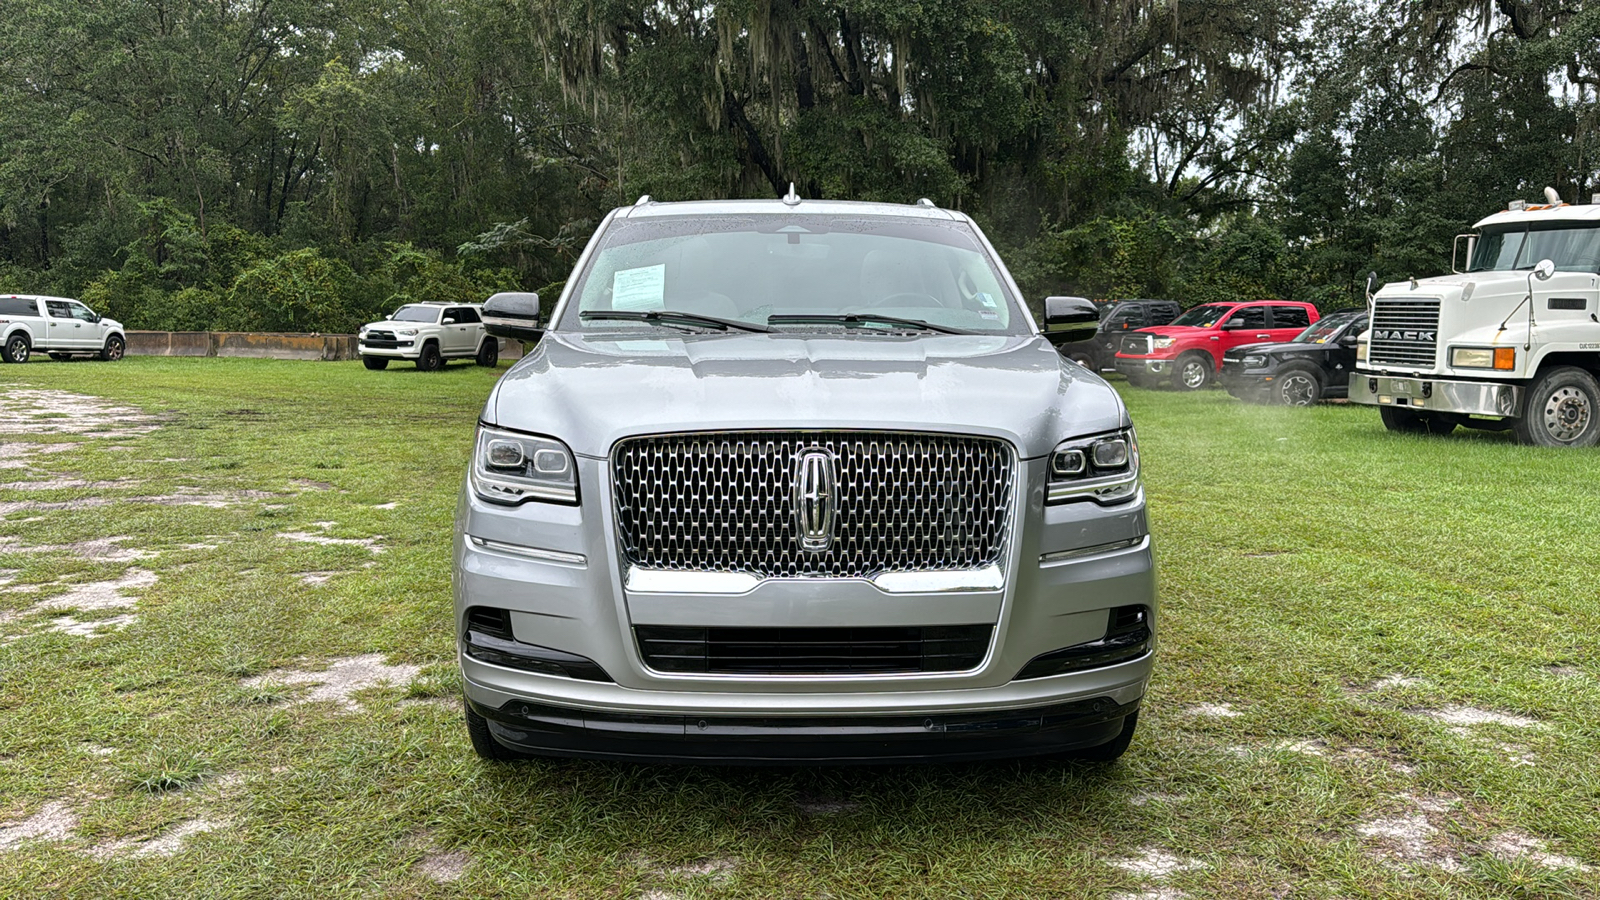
(514,315)
(1069,319)
(1372,284)
(1544,269)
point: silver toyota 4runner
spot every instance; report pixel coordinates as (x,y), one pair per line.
(800,481)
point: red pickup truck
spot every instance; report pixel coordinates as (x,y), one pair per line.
(1188,352)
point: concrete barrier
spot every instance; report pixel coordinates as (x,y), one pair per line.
(261,345)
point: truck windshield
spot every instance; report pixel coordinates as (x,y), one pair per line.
(844,274)
(1571,248)
(417,314)
(1203,316)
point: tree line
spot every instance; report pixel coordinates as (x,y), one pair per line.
(308,164)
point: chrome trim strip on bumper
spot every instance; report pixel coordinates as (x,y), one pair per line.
(550,556)
(1096,550)
(672,581)
(1427,394)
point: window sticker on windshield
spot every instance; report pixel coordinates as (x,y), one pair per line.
(986,299)
(643,288)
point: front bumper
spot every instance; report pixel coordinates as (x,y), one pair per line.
(1427,394)
(543,730)
(402,349)
(1070,566)
(1143,366)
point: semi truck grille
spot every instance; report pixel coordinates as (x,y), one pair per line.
(813,504)
(1136,344)
(812,651)
(1404,332)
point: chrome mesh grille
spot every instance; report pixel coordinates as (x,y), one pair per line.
(724,502)
(1404,332)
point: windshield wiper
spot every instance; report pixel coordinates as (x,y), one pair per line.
(670,317)
(858,319)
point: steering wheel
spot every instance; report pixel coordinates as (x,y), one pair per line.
(907,298)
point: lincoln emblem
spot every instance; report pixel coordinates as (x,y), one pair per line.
(815,498)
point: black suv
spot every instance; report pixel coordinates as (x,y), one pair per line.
(1099,352)
(1314,366)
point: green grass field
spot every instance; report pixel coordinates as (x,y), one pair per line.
(1377,675)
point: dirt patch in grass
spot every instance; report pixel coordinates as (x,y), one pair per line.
(305,537)
(1213,711)
(54,822)
(168,843)
(1156,864)
(101,594)
(32,411)
(340,681)
(1467,717)
(1511,846)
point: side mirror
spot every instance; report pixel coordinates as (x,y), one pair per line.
(1070,319)
(448,320)
(514,315)
(1372,284)
(1544,269)
(1233,325)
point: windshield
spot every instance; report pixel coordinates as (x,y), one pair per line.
(1324,330)
(1573,248)
(752,268)
(417,314)
(1203,316)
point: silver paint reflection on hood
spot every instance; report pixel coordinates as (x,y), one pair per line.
(591,390)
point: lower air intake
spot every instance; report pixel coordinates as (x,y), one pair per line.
(813,651)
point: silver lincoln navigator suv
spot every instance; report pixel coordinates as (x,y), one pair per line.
(794,482)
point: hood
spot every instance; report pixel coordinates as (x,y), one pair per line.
(1269,348)
(1170,330)
(591,390)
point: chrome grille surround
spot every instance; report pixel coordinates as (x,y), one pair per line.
(1404,332)
(1136,344)
(725,502)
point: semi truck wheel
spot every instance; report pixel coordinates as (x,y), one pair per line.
(1563,410)
(1404,421)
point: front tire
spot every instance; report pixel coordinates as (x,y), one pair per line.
(1298,387)
(483,743)
(1193,372)
(430,360)
(489,353)
(16,349)
(115,347)
(1563,410)
(1404,421)
(375,363)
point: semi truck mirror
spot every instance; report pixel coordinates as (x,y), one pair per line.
(1544,269)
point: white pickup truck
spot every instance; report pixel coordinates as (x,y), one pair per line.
(59,326)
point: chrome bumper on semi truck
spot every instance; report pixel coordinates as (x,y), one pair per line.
(1472,398)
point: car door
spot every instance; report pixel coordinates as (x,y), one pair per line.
(90,333)
(62,331)
(1245,325)
(472,328)
(450,331)
(1289,321)
(1342,356)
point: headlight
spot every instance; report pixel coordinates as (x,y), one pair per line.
(1361,351)
(1162,343)
(1254,362)
(408,332)
(363,330)
(1104,468)
(510,468)
(1483,358)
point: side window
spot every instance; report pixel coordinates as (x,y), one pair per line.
(466,315)
(58,309)
(79,311)
(1250,317)
(1290,317)
(17,306)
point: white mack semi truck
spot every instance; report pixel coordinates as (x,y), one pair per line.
(1509,341)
